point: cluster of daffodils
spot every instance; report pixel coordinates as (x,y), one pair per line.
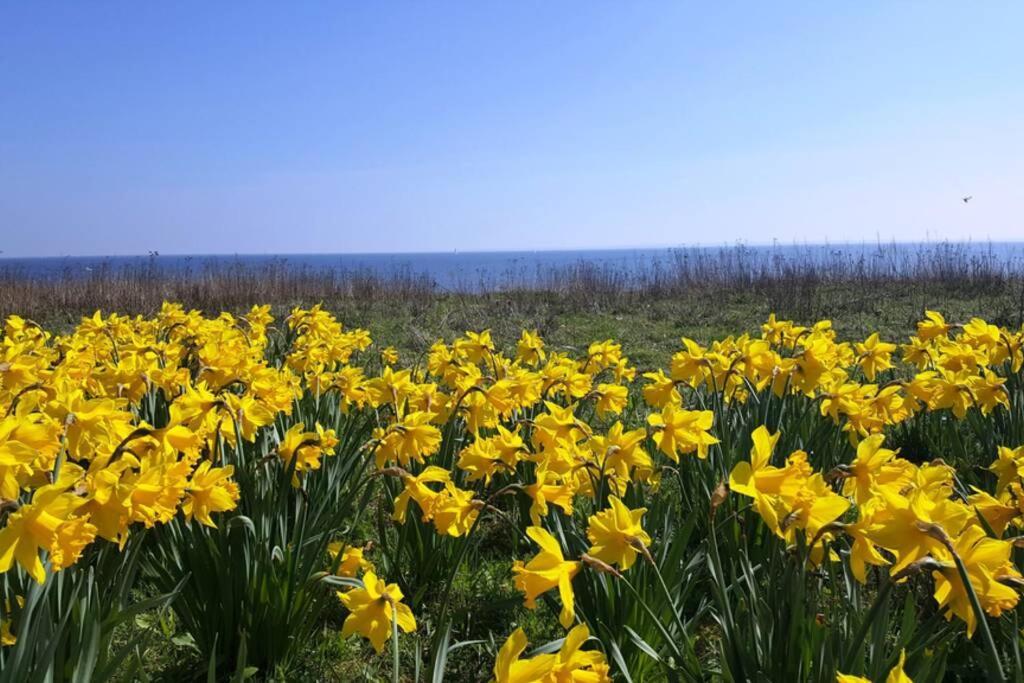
(87,451)
(788,498)
(549,426)
(857,384)
(522,425)
(891,512)
(523,433)
(907,517)
(128,423)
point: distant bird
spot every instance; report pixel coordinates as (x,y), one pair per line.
(968,198)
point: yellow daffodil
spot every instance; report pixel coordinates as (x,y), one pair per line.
(372,609)
(874,466)
(611,399)
(530,349)
(874,355)
(1008,466)
(547,570)
(616,535)
(934,325)
(412,439)
(46,523)
(509,668)
(549,489)
(661,391)
(569,665)
(682,431)
(415,488)
(389,355)
(352,559)
(210,489)
(989,569)
(895,675)
(758,479)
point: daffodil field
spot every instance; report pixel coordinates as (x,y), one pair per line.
(779,506)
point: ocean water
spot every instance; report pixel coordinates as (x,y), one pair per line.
(471,270)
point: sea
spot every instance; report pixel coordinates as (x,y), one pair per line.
(471,270)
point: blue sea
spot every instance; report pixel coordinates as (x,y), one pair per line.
(473,270)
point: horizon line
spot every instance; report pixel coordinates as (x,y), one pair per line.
(739,244)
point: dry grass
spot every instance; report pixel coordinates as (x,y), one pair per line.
(801,284)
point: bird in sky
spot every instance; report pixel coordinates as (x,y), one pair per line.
(968,198)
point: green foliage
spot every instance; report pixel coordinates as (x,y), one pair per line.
(256,587)
(70,621)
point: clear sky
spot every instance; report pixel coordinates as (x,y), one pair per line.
(245,127)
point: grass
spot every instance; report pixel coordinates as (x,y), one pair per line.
(650,331)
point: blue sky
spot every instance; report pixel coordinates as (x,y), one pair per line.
(431,126)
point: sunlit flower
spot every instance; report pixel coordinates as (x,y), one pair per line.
(615,534)
(547,570)
(372,609)
(682,431)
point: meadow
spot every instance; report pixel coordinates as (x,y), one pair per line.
(793,472)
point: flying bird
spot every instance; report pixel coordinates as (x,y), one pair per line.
(968,198)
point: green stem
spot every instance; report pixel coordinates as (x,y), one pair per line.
(862,631)
(995,668)
(669,640)
(395,664)
(675,613)
(716,561)
(668,597)
(468,539)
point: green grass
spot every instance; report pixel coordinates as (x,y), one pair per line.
(650,330)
